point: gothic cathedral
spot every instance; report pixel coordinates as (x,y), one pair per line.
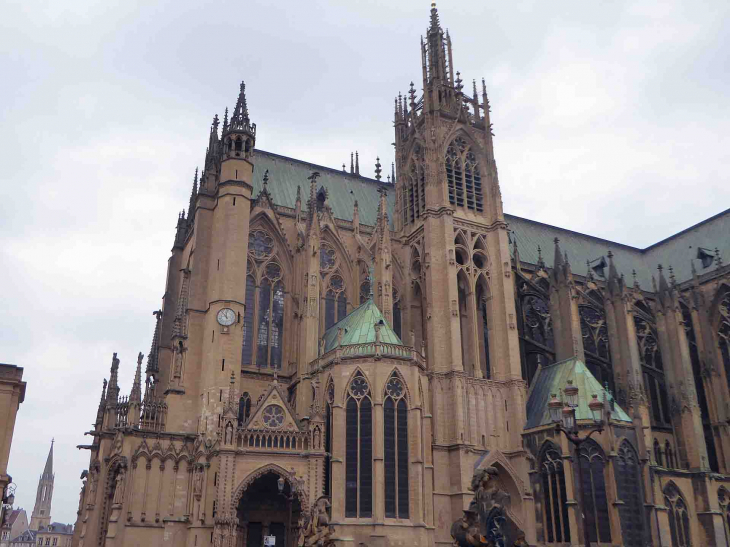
(335,357)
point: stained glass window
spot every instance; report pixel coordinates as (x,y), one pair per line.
(335,301)
(244,408)
(678,516)
(593,491)
(628,487)
(358,451)
(395,436)
(248,321)
(553,495)
(260,244)
(537,321)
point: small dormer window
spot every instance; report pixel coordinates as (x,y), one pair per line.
(705,256)
(599,266)
(321,198)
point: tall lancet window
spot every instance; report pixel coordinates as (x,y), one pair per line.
(628,486)
(395,442)
(651,364)
(593,491)
(595,341)
(678,516)
(414,193)
(330,401)
(397,313)
(334,293)
(723,331)
(463,176)
(359,449)
(263,321)
(553,496)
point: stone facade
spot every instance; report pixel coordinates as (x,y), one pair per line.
(339,350)
(12,393)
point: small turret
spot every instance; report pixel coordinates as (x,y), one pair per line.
(378,169)
(239,138)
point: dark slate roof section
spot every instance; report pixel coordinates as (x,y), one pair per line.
(553,379)
(343,188)
(285,174)
(675,251)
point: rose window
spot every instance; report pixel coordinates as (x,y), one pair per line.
(260,244)
(273,416)
(359,387)
(394,387)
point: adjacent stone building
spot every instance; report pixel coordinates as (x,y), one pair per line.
(12,393)
(15,523)
(324,334)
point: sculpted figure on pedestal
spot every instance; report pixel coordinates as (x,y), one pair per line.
(315,529)
(486,523)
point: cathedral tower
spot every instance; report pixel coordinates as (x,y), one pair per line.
(41,515)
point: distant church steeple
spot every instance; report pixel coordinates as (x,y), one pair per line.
(41,516)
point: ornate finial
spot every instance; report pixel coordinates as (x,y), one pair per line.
(392,172)
(225,121)
(266,178)
(636,283)
(357,163)
(378,170)
(718,258)
(540,261)
(352,162)
(459,85)
(589,273)
(343,168)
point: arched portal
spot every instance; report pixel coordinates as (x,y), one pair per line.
(264,511)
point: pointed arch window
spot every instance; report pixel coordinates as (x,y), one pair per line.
(397,317)
(463,176)
(652,366)
(723,331)
(538,324)
(263,321)
(595,342)
(335,301)
(329,401)
(395,441)
(628,488)
(414,193)
(723,498)
(658,457)
(535,327)
(678,516)
(554,497)
(593,491)
(244,408)
(358,451)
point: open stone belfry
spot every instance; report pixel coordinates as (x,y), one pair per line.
(341,360)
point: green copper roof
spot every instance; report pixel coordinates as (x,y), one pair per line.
(359,328)
(553,379)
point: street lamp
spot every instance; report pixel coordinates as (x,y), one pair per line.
(564,418)
(290,499)
(7,501)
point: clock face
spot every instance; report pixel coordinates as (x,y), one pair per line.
(226,317)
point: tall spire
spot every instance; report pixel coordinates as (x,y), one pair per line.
(392,172)
(239,119)
(112,393)
(135,395)
(352,162)
(193,195)
(48,469)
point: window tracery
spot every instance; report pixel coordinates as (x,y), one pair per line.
(358,451)
(395,437)
(263,320)
(537,320)
(414,194)
(723,498)
(678,516)
(554,498)
(595,503)
(244,408)
(651,364)
(723,331)
(463,176)
(273,416)
(628,486)
(536,329)
(595,342)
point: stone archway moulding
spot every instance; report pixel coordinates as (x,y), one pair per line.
(260,472)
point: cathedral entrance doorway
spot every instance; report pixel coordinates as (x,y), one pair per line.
(264,511)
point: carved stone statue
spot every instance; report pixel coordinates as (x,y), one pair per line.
(119,488)
(198,482)
(315,529)
(487,523)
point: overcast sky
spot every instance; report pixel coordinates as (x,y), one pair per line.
(611,118)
